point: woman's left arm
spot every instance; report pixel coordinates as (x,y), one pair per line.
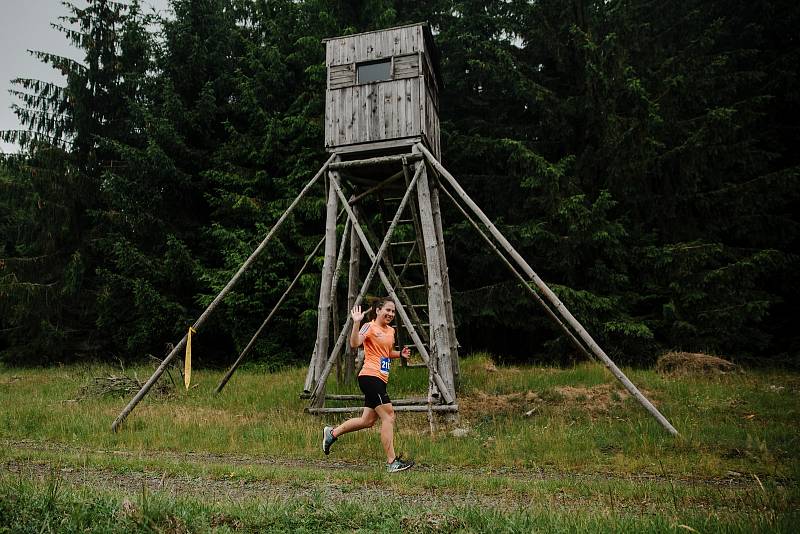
(405,353)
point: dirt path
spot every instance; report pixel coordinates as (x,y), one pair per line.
(337,486)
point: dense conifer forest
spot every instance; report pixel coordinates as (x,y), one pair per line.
(642,156)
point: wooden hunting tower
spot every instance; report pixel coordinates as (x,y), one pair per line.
(385,177)
(383,90)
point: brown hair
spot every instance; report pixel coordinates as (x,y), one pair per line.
(376,303)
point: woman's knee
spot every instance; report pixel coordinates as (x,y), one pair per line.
(368,421)
(388,417)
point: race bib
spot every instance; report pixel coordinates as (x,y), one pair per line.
(385,366)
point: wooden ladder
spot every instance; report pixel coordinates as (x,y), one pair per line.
(406,255)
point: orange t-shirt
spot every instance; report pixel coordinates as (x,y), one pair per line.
(378,347)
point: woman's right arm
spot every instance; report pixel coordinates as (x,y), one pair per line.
(356,339)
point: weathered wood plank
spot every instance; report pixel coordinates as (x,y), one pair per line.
(349,116)
(410,408)
(340,165)
(406,66)
(402,143)
(329,117)
(341,135)
(418,92)
(410,401)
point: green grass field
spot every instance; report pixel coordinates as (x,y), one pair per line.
(545,449)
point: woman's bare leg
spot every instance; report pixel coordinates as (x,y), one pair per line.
(386,413)
(366,420)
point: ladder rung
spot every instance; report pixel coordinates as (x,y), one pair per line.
(419,305)
(401,221)
(393,199)
(423,325)
(409,265)
(398,243)
(418,286)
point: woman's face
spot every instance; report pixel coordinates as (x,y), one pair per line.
(385,314)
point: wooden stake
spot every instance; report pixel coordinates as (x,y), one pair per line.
(202,319)
(252,342)
(547,292)
(309,382)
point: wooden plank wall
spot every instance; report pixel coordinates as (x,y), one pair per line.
(431,111)
(378,111)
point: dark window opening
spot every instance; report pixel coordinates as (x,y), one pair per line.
(375,71)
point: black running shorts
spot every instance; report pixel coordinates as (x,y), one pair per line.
(374,391)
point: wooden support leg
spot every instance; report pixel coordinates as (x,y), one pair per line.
(548,294)
(448,299)
(202,319)
(352,292)
(334,285)
(324,307)
(439,332)
(309,382)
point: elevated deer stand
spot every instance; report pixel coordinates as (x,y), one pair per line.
(422,298)
(382,126)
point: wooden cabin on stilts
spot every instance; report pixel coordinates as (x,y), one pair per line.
(385,179)
(381,103)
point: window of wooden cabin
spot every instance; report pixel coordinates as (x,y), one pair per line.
(374,71)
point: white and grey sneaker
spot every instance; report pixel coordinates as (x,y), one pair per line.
(327,439)
(398,465)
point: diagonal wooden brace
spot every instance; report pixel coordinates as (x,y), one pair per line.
(548,293)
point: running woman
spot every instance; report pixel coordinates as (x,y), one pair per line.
(378,340)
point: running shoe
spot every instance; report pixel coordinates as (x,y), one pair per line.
(398,465)
(327,439)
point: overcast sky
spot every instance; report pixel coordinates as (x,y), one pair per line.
(25,25)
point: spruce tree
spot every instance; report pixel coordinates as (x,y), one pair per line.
(49,277)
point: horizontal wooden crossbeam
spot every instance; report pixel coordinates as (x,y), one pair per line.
(357,409)
(342,165)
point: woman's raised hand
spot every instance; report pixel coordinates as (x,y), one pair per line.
(357,314)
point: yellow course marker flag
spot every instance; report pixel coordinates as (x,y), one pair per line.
(187,361)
